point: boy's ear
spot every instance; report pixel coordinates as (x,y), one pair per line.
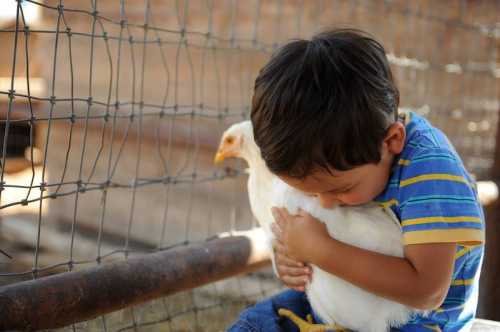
(395,137)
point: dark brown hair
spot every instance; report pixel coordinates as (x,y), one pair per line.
(324,103)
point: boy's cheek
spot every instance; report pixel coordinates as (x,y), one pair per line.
(356,199)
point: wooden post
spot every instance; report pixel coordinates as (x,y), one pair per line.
(71,297)
(489,291)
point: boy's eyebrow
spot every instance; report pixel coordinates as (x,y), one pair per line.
(322,179)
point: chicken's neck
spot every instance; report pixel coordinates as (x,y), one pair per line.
(257,167)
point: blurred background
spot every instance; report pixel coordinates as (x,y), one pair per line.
(111,113)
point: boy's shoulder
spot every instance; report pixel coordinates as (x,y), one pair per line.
(428,172)
(430,190)
(427,146)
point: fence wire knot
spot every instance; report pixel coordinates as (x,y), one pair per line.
(11,94)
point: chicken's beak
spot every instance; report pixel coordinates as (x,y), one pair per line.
(228,148)
(225,152)
(219,157)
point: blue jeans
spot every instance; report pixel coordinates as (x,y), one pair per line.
(264,317)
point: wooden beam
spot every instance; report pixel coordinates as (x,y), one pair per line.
(487,192)
(66,298)
(489,291)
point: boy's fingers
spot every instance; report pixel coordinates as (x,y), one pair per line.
(291,281)
(276,230)
(279,247)
(302,213)
(278,217)
(281,257)
(282,253)
(285,260)
(284,213)
(292,271)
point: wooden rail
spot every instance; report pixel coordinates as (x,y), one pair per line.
(489,288)
(71,297)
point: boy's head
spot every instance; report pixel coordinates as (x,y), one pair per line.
(324,113)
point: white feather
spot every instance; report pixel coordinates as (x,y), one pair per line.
(368,226)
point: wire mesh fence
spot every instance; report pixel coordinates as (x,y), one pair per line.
(111,111)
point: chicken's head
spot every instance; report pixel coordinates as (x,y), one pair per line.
(234,142)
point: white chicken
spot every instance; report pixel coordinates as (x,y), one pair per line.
(369,227)
(238,142)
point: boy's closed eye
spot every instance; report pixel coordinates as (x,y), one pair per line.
(342,190)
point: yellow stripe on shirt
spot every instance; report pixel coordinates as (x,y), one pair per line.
(435,328)
(462,282)
(428,177)
(460,236)
(430,220)
(404,162)
(389,203)
(464,251)
(441,309)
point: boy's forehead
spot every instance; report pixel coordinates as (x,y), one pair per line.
(333,174)
(333,177)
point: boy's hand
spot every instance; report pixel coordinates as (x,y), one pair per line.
(299,234)
(294,274)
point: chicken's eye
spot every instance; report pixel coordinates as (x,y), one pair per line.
(229,140)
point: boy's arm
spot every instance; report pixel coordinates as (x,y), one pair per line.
(420,280)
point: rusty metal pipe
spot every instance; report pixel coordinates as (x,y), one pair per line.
(66,298)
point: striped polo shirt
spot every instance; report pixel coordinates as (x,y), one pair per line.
(436,201)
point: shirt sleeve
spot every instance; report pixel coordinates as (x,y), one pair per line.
(438,200)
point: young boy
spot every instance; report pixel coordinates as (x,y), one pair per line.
(324,113)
